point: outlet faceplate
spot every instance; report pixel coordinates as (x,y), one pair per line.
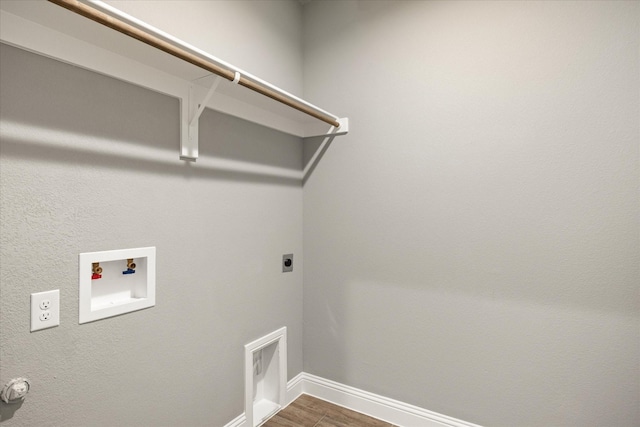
(45,310)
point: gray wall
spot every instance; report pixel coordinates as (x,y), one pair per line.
(89,163)
(471,246)
(262,37)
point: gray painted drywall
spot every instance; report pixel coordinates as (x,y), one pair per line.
(89,163)
(472,246)
(263,37)
(478,259)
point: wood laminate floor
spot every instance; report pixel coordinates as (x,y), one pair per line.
(308,411)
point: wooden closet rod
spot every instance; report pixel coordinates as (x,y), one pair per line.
(151,40)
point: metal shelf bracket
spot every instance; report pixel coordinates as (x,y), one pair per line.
(191,111)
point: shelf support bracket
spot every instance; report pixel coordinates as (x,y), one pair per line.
(191,111)
(329,136)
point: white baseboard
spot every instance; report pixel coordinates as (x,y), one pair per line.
(383,408)
(295,387)
(238,421)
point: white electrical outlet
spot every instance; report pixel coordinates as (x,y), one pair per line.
(45,310)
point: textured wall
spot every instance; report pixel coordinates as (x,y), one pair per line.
(89,163)
(471,246)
